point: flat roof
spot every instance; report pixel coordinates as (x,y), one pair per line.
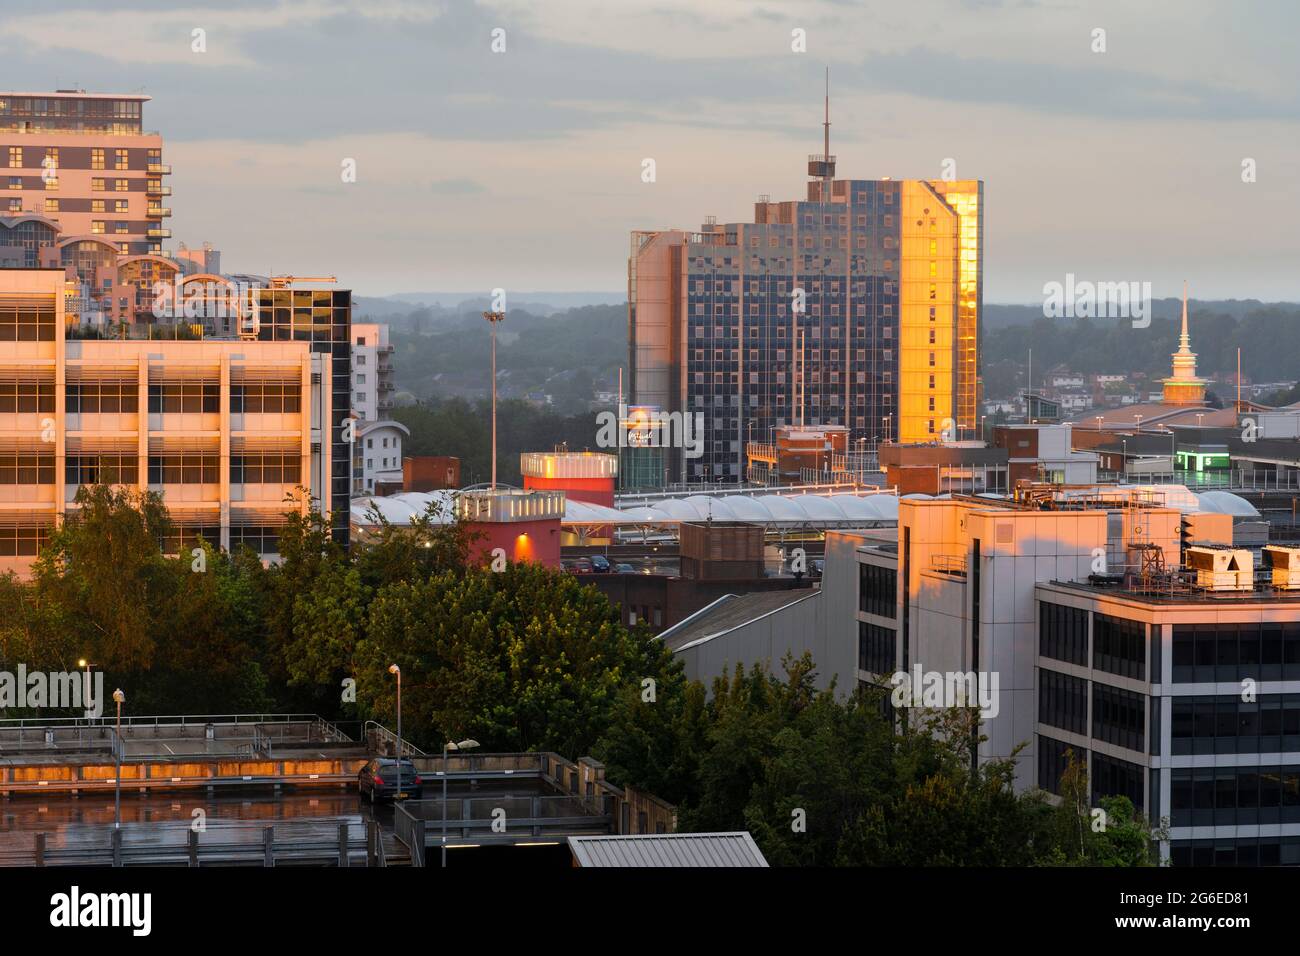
(1184,596)
(78,94)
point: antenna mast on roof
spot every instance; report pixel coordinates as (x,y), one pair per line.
(826,142)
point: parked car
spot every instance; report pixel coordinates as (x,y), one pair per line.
(581,566)
(386,778)
(624,568)
(600,564)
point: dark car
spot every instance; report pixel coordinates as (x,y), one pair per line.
(600,564)
(385,778)
(622,568)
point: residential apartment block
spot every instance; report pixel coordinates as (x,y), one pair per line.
(86,161)
(227,423)
(859,306)
(377,454)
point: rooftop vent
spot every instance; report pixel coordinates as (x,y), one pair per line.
(1222,569)
(1285,562)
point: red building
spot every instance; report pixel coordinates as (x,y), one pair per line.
(524,525)
(582,475)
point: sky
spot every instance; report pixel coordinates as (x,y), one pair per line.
(522,169)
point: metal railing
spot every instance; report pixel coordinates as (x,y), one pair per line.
(330,842)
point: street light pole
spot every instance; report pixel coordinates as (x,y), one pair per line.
(493,318)
(450,745)
(394,669)
(118,698)
(85,695)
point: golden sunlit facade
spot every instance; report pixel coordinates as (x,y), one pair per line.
(939,306)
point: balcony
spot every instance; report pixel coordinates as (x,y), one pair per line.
(157,232)
(161,169)
(161,212)
(157,190)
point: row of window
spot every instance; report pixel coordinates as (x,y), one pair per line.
(1229,725)
(1242,851)
(1229,652)
(1108,776)
(1234,796)
(107,469)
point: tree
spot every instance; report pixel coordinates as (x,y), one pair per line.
(524,659)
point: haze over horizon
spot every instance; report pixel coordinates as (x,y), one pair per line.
(522,169)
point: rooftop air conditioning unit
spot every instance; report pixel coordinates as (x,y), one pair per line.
(1222,569)
(1285,563)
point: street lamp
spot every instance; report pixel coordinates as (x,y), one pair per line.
(118,698)
(395,670)
(1099,417)
(450,745)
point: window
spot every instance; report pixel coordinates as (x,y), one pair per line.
(36,469)
(26,396)
(1118,716)
(1063,701)
(266,397)
(1112,777)
(26,541)
(1063,633)
(1119,646)
(51,205)
(170,397)
(97,185)
(185,468)
(97,205)
(120,160)
(875,648)
(15,157)
(253,468)
(97,227)
(264,539)
(102,397)
(96,159)
(877,590)
(122,185)
(106,469)
(1229,725)
(28,323)
(186,537)
(1053,759)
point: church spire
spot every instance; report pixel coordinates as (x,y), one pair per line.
(1183,387)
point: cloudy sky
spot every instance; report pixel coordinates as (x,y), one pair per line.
(522,169)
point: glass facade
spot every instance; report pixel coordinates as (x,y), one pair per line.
(322,317)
